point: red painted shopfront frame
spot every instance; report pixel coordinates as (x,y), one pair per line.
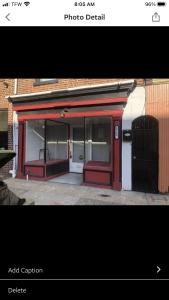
(116,143)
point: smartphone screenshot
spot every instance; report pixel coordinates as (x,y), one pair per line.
(84,13)
(84,149)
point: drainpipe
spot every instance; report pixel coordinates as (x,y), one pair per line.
(15,86)
(15,128)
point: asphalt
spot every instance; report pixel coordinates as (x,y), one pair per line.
(52,193)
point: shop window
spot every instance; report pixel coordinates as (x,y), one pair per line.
(98,139)
(46,141)
(3,129)
(35,140)
(41,81)
(56,140)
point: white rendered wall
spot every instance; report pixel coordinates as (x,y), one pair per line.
(135,107)
(15,142)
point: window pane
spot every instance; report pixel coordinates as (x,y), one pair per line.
(40,81)
(3,120)
(56,141)
(98,139)
(4,129)
(46,79)
(35,140)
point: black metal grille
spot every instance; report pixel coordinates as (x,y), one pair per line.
(145,154)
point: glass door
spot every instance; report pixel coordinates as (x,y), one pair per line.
(76,149)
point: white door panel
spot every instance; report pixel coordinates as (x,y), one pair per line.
(76,149)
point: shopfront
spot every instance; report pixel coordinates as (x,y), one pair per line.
(80,133)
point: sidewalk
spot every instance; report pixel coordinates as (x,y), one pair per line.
(52,193)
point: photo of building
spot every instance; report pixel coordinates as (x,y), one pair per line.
(6,120)
(112,133)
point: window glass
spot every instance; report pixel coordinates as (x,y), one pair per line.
(56,140)
(98,139)
(40,81)
(4,129)
(35,140)
(46,79)
(3,120)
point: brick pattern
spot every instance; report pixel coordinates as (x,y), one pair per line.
(6,89)
(27,85)
(157,105)
(160,80)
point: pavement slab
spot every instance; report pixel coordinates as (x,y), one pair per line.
(85,201)
(54,193)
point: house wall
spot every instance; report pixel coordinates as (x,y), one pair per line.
(5,91)
(157,105)
(27,85)
(135,107)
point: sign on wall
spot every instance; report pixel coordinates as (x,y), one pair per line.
(127,135)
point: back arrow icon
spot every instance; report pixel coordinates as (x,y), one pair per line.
(158,269)
(7,17)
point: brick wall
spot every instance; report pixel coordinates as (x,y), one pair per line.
(5,91)
(157,105)
(27,85)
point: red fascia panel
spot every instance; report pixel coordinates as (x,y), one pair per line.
(95,113)
(92,165)
(34,171)
(39,117)
(68,104)
(113,113)
(97,177)
(41,178)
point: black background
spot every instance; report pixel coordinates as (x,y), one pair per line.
(73,52)
(91,290)
(85,242)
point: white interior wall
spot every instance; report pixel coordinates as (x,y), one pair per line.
(135,107)
(52,149)
(57,142)
(34,142)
